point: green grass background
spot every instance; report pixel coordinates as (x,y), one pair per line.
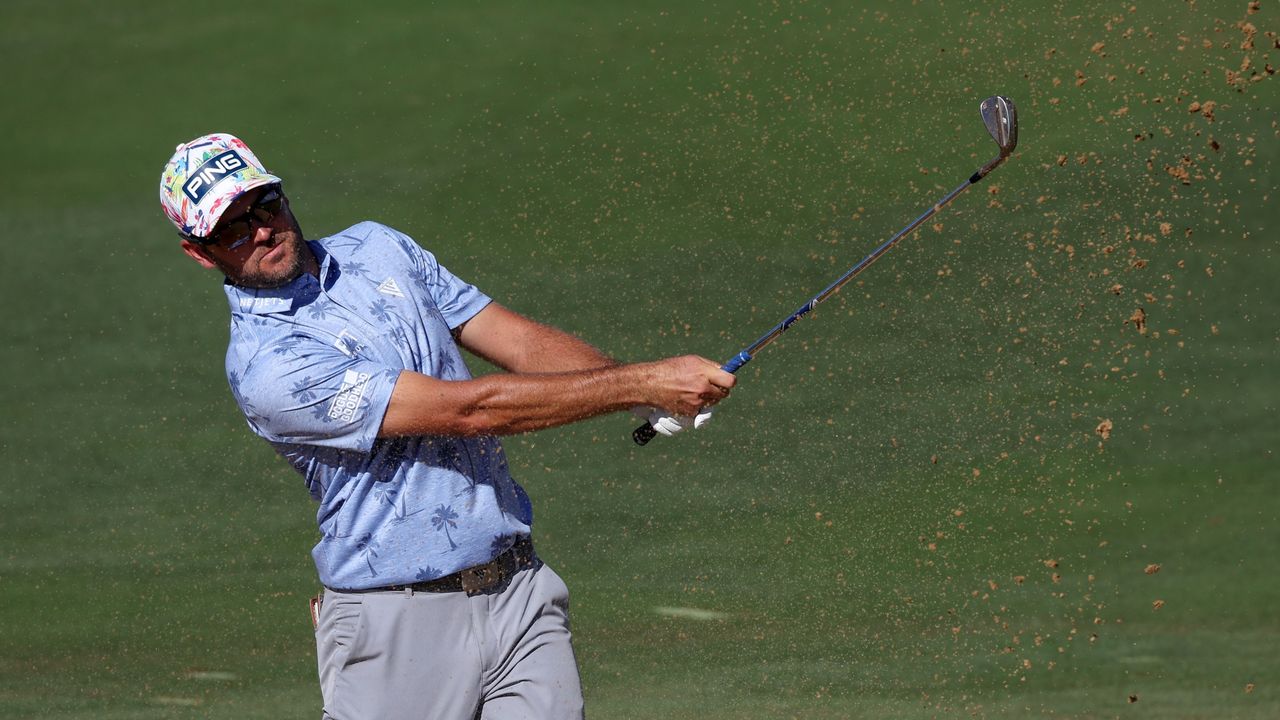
(904,511)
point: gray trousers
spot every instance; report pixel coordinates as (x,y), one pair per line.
(500,655)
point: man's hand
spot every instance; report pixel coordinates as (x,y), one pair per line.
(686,389)
(687,385)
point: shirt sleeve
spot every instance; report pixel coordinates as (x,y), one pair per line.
(457,300)
(299,390)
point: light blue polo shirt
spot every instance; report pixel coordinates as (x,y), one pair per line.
(312,366)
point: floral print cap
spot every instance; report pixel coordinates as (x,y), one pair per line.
(204,177)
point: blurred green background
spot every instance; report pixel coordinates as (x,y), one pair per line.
(1023,467)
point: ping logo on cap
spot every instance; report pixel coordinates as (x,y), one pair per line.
(211,172)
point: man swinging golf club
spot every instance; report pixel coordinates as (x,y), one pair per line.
(345,356)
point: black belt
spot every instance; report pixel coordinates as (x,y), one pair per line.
(477,579)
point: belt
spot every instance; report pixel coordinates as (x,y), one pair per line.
(476,579)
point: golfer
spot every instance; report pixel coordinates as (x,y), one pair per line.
(345,356)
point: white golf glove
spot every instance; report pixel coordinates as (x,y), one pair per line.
(664,423)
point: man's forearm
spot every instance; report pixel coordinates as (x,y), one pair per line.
(520,345)
(504,404)
(549,350)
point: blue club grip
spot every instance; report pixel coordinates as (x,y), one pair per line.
(643,434)
(738,361)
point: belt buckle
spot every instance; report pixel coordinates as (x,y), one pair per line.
(481,577)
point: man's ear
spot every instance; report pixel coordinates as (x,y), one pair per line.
(199,254)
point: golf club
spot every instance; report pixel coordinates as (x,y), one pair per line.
(1001,118)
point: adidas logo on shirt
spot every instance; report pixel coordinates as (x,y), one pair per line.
(389,287)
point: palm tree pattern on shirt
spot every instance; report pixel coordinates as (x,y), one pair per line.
(444,518)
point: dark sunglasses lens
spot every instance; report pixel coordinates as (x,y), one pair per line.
(264,209)
(232,234)
(267,206)
(271,201)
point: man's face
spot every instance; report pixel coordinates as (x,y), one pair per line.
(254,247)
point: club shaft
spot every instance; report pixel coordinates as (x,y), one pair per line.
(643,434)
(743,357)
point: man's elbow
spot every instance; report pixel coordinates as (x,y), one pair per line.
(474,422)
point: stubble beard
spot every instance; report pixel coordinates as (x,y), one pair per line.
(263,279)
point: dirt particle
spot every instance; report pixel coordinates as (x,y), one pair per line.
(1248,688)
(1133,698)
(1139,320)
(1249,31)
(1152,569)
(1104,430)
(1157,604)
(1179,173)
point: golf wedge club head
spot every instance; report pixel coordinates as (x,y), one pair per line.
(1001,118)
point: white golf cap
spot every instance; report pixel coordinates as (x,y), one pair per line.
(204,177)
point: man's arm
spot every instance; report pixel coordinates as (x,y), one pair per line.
(553,379)
(517,344)
(504,404)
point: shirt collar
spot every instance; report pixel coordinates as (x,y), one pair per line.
(297,293)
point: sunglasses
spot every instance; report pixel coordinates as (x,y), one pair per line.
(237,231)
